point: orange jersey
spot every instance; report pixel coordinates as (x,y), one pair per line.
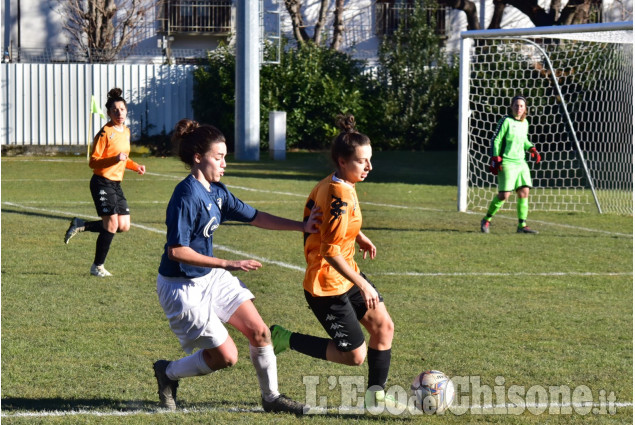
(341,223)
(104,158)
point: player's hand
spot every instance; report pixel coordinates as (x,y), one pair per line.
(142,169)
(370,295)
(495,165)
(123,156)
(366,246)
(244,265)
(312,225)
(535,155)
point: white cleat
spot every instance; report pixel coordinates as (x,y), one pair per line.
(99,271)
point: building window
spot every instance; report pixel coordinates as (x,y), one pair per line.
(196,16)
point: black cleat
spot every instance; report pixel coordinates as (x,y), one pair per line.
(485,226)
(526,229)
(77,225)
(284,404)
(167,387)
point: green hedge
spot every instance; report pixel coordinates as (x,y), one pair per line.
(408,103)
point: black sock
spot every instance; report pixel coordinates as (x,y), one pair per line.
(103,245)
(378,366)
(310,345)
(93,226)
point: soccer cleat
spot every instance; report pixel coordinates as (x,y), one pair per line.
(375,401)
(167,386)
(99,271)
(280,338)
(485,226)
(77,225)
(526,229)
(284,404)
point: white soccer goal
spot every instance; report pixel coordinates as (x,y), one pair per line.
(578,81)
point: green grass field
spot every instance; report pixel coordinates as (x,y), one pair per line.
(511,314)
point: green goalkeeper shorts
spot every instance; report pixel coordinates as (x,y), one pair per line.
(513,176)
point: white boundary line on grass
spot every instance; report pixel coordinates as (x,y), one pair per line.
(284,265)
(546,223)
(302,269)
(483,409)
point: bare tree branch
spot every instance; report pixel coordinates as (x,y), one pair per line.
(466,6)
(321,21)
(102,28)
(297,21)
(338,25)
(574,12)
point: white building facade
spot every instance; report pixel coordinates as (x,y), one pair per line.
(32,30)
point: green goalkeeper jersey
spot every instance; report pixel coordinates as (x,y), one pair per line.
(511,140)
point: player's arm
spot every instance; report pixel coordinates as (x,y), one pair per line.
(499,136)
(371,297)
(496,160)
(186,255)
(273,222)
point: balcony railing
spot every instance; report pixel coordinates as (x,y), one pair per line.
(388,17)
(196,17)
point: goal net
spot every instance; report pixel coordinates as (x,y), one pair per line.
(578,82)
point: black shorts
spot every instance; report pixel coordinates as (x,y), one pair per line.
(108,196)
(340,316)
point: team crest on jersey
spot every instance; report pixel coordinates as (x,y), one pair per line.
(219,202)
(338,207)
(210,227)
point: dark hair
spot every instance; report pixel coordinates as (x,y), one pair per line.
(344,144)
(514,99)
(115,95)
(194,138)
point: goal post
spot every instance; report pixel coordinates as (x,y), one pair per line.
(578,81)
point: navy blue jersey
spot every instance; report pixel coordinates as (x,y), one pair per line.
(192,215)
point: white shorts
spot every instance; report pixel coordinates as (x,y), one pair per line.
(197,308)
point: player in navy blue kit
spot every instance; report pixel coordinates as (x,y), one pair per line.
(196,290)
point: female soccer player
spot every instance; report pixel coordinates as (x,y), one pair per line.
(509,145)
(109,159)
(196,289)
(340,296)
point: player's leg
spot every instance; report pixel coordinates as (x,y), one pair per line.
(523,185)
(123,211)
(233,304)
(337,316)
(522,208)
(197,327)
(381,329)
(506,180)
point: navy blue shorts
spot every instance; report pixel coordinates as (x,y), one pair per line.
(340,316)
(108,196)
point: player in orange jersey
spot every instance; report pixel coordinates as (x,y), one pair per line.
(109,159)
(340,296)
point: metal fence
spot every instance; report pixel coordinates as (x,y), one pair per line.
(49,104)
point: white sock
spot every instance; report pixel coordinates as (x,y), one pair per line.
(193,365)
(264,360)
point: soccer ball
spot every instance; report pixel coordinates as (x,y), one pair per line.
(433,391)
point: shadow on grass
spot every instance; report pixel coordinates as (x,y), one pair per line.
(20,404)
(431,168)
(66,218)
(16,405)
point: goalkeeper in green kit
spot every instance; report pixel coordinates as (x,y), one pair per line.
(508,163)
